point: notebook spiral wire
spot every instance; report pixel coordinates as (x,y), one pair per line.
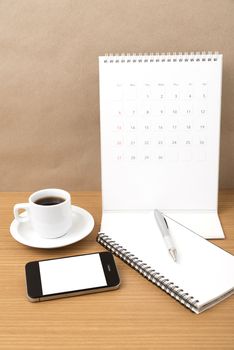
(147,272)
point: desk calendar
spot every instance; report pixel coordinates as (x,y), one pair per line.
(160,131)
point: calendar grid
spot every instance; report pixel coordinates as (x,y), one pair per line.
(151,119)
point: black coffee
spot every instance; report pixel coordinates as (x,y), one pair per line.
(50,200)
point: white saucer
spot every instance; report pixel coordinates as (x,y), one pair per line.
(82,226)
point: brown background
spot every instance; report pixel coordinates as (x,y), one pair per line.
(49,109)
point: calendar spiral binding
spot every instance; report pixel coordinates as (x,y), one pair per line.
(146,271)
(162,57)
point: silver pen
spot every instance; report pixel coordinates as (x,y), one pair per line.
(163,226)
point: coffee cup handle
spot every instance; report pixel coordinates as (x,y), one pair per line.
(19,206)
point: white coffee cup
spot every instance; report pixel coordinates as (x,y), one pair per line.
(48,221)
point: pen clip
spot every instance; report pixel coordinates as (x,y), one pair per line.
(166,222)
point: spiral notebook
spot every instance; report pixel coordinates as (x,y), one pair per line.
(203,274)
(160,132)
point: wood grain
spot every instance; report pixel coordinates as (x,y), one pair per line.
(137,316)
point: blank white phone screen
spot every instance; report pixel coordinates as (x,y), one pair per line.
(70,274)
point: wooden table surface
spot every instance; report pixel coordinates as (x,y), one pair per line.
(137,316)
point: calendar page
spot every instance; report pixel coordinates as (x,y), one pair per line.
(160,131)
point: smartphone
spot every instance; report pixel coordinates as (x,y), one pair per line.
(70,276)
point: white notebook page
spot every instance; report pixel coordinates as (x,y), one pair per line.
(202,269)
